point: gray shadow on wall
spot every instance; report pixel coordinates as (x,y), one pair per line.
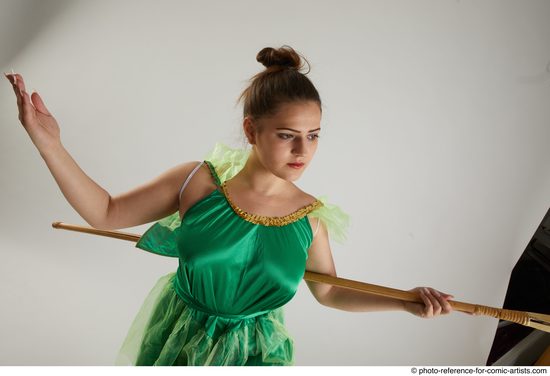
(22,20)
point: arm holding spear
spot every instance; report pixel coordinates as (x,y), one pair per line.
(434,302)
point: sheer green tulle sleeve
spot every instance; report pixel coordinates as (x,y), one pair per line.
(335,219)
(227,161)
(160,238)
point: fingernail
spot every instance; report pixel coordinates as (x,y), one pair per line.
(34,91)
(437,293)
(14,76)
(426,290)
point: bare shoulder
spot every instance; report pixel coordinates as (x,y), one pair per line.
(304,198)
(177,175)
(200,185)
(307,199)
(180,172)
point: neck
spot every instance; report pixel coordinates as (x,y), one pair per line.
(254,177)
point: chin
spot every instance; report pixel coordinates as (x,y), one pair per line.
(295,176)
(289,177)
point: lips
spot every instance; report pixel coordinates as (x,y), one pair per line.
(295,164)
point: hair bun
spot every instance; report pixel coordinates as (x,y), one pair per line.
(285,56)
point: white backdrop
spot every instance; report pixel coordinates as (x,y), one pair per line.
(435,141)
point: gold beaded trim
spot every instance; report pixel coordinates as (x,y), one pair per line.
(272,221)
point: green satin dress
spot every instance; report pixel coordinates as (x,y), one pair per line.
(224,303)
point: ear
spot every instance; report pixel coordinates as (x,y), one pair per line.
(249,130)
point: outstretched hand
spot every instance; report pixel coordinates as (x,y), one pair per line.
(34,116)
(435,303)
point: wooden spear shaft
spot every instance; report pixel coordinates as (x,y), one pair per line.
(533,320)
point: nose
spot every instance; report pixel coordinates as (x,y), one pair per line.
(299,147)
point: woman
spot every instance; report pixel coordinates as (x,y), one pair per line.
(244,233)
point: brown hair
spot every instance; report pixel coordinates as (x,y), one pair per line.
(281,82)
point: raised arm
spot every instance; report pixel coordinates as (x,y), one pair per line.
(143,204)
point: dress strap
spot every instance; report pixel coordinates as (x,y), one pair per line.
(213,172)
(317,227)
(189,178)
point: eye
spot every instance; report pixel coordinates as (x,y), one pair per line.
(284,136)
(314,136)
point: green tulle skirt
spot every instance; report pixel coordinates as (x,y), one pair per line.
(168,332)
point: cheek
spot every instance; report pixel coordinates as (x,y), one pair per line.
(276,155)
(277,147)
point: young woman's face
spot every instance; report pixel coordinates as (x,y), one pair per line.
(290,136)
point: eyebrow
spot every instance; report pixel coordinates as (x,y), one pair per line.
(294,130)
